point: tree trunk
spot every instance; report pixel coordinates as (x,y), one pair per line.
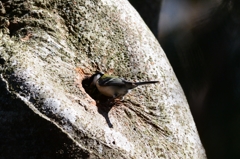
(48,48)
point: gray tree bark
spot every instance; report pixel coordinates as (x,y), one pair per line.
(48,48)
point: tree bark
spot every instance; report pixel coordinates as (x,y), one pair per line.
(48,48)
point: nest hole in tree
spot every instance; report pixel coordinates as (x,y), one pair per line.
(93,91)
(104,104)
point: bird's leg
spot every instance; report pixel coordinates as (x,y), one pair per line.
(119,100)
(122,98)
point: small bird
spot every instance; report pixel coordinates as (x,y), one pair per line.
(113,86)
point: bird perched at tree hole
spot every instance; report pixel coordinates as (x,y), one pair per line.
(113,86)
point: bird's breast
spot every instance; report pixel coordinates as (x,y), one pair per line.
(106,90)
(112,91)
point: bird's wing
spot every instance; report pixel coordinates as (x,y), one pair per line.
(111,81)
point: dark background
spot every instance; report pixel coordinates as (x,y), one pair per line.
(201,39)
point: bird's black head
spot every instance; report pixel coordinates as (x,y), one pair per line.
(98,73)
(95,77)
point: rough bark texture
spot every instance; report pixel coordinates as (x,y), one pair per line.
(48,47)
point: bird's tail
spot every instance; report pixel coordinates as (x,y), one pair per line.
(147,82)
